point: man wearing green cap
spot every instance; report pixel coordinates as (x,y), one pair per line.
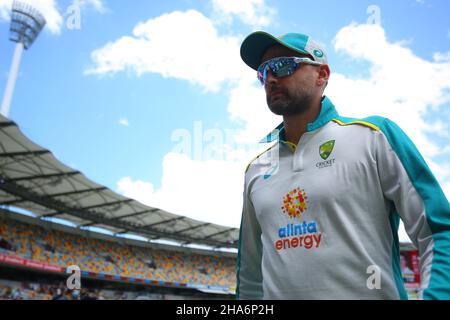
(322,205)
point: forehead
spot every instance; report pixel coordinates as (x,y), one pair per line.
(280,51)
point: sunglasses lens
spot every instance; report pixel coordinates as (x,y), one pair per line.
(280,67)
(262,72)
(285,69)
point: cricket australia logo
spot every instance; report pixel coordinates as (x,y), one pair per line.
(325,151)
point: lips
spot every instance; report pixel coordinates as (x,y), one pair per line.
(276,94)
(275,89)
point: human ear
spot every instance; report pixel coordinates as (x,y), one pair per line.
(324,74)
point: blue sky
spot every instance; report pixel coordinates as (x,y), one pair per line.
(112,98)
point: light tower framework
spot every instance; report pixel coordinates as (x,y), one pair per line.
(26,24)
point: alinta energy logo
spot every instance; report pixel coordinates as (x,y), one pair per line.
(294,203)
(300,235)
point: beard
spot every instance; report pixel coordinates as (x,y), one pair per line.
(287,103)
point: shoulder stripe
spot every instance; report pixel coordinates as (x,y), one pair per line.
(259,155)
(361,122)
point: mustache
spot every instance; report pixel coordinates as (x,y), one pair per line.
(274,88)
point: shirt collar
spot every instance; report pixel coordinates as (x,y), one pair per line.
(327,113)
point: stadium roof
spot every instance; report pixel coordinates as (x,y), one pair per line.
(31,178)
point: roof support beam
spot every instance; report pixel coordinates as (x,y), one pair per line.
(134,214)
(45,176)
(49,215)
(69,193)
(24,153)
(192,228)
(87,224)
(11,202)
(7,124)
(163,222)
(107,204)
(120,232)
(217,233)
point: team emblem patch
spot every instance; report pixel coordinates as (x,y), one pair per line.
(318,53)
(326,149)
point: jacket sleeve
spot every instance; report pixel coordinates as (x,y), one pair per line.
(418,199)
(249,276)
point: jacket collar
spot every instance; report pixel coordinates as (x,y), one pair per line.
(327,113)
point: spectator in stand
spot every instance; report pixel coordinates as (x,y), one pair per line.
(87,295)
(16,294)
(7,293)
(108,257)
(76,295)
(407,273)
(57,295)
(5,244)
(99,295)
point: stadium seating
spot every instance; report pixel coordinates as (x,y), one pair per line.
(109,257)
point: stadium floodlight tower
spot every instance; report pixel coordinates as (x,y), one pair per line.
(26,24)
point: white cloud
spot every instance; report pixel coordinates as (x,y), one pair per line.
(402,234)
(97,5)
(139,190)
(401,86)
(5,8)
(439,128)
(194,52)
(247,105)
(203,190)
(442,56)
(251,12)
(124,122)
(446,188)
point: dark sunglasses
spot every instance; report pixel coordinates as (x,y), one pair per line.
(282,67)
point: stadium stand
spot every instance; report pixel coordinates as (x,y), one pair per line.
(33,180)
(25,290)
(103,257)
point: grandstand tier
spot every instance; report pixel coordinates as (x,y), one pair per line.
(43,247)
